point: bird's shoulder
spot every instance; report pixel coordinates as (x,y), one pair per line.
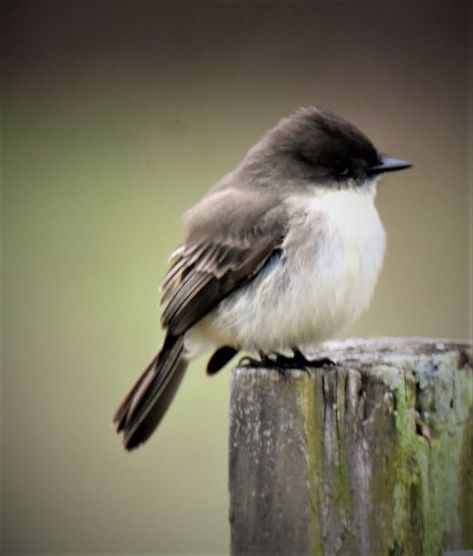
(233,213)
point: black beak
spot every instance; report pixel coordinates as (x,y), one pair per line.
(389,165)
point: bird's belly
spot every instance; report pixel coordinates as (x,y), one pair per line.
(288,307)
(316,289)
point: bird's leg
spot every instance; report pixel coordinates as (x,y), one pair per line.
(299,361)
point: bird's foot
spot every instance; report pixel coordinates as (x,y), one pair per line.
(299,361)
(277,363)
(264,362)
(282,363)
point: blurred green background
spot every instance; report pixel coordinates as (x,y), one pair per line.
(116,117)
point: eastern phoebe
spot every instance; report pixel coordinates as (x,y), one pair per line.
(281,254)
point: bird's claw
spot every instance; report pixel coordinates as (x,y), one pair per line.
(282,363)
(250,363)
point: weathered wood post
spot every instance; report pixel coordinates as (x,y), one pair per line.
(371,457)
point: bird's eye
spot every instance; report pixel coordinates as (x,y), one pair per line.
(341,168)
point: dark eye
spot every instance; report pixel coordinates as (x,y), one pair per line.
(341,168)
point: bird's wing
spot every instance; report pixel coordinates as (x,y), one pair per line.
(203,273)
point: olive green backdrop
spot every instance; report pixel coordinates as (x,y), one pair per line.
(116,117)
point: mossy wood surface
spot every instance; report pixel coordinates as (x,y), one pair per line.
(371,457)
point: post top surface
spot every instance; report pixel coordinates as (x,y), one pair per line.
(395,346)
(359,353)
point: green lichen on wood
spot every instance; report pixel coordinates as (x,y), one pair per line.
(396,494)
(395,487)
(444,402)
(328,458)
(384,447)
(466,500)
(310,408)
(415,492)
(414,422)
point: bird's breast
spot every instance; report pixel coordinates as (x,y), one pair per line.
(322,281)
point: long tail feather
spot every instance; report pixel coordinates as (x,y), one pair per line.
(145,405)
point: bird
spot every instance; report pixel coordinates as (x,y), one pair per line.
(280,255)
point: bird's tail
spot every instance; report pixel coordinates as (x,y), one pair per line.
(145,405)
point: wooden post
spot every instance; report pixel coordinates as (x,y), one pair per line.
(371,457)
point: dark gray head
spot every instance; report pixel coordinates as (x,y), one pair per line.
(319,147)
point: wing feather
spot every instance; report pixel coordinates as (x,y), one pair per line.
(192,286)
(204,273)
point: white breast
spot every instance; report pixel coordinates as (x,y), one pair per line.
(332,257)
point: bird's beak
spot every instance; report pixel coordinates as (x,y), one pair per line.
(389,165)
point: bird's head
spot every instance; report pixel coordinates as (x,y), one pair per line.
(318,147)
